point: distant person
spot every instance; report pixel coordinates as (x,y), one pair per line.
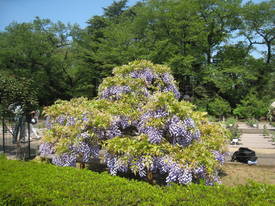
(34,116)
(20,119)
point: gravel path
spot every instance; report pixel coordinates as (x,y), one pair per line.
(11,149)
(253,139)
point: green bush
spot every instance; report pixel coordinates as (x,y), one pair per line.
(212,118)
(30,183)
(141,123)
(219,107)
(201,104)
(235,133)
(271,111)
(17,90)
(265,131)
(232,126)
(252,122)
(252,107)
(230,122)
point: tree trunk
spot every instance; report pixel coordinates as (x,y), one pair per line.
(82,165)
(150,177)
(209,56)
(268,58)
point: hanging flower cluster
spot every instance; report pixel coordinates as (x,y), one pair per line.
(140,122)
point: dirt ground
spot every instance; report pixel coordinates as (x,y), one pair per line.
(238,173)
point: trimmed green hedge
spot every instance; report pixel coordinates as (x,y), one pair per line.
(30,183)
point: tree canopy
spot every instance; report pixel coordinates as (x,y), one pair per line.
(194,38)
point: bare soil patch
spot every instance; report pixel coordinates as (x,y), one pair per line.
(238,173)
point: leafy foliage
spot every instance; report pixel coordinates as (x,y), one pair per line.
(40,51)
(142,125)
(252,122)
(50,185)
(251,106)
(14,90)
(219,107)
(196,38)
(232,126)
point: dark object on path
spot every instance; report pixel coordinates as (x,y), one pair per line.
(245,155)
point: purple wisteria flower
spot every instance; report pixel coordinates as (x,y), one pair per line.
(70,121)
(115,164)
(170,85)
(199,172)
(154,134)
(46,148)
(172,88)
(218,156)
(84,135)
(61,119)
(85,151)
(182,132)
(146,74)
(115,92)
(167,78)
(65,160)
(176,172)
(211,180)
(48,123)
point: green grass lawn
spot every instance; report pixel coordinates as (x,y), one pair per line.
(31,183)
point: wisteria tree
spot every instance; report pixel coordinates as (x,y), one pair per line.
(142,125)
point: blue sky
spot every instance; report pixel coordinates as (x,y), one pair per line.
(67,11)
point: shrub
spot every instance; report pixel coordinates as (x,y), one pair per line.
(251,107)
(138,119)
(29,183)
(235,133)
(16,90)
(230,122)
(219,107)
(201,104)
(232,126)
(265,131)
(252,122)
(271,111)
(212,118)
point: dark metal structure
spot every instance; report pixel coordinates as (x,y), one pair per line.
(23,149)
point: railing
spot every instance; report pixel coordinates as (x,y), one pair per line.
(20,147)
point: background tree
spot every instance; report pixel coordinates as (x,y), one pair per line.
(258,29)
(15,90)
(195,38)
(258,25)
(39,51)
